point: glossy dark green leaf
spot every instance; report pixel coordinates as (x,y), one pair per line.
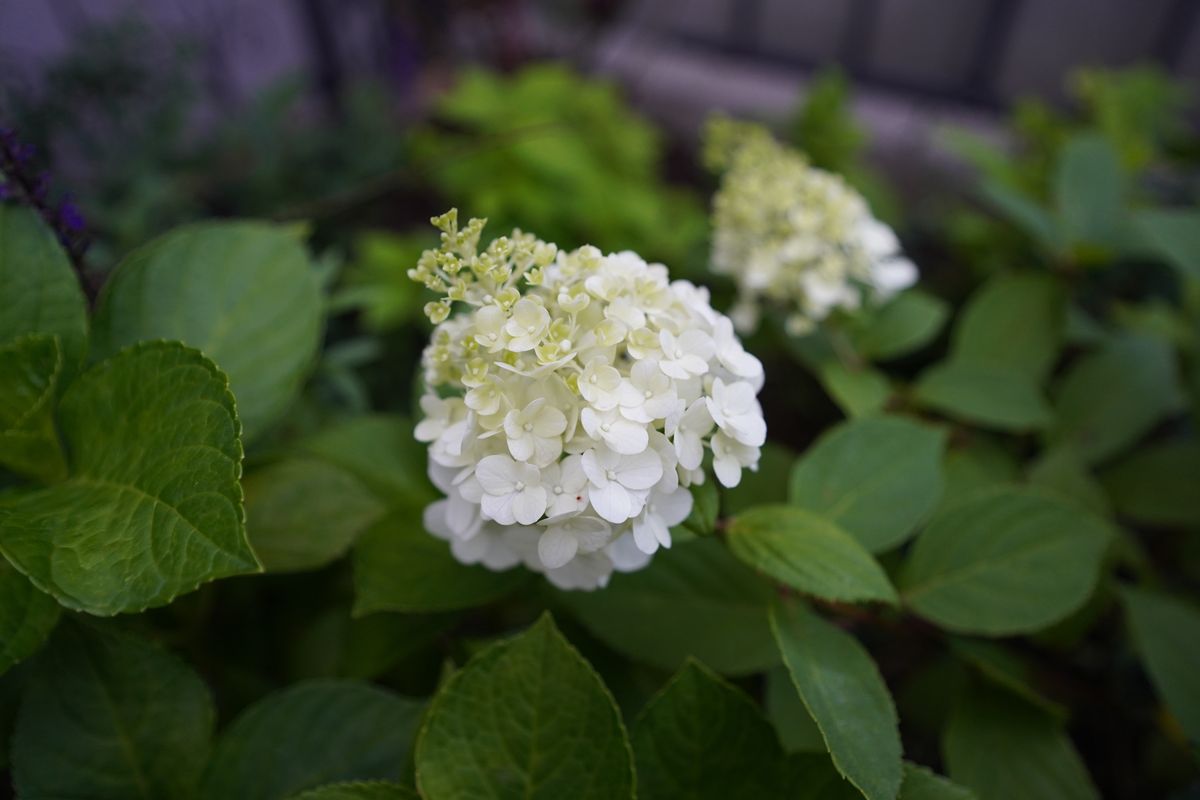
(30,368)
(152,507)
(842,688)
(243,293)
(26,616)
(525,718)
(108,716)
(311,734)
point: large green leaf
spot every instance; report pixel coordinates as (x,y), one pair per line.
(108,716)
(30,367)
(908,322)
(1004,561)
(152,507)
(692,600)
(359,790)
(1166,632)
(382,453)
(842,688)
(877,478)
(701,737)
(1174,234)
(923,784)
(311,734)
(39,289)
(974,464)
(984,394)
(26,616)
(1016,322)
(859,391)
(526,718)
(813,777)
(1089,190)
(768,485)
(798,731)
(302,513)
(1002,748)
(399,566)
(1113,397)
(809,553)
(243,293)
(1157,485)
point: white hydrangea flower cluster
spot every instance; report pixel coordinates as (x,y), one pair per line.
(568,409)
(794,235)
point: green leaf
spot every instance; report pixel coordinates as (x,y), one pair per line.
(1157,485)
(1174,235)
(1002,748)
(108,716)
(310,734)
(243,293)
(696,600)
(706,507)
(381,452)
(768,485)
(1004,561)
(1089,190)
(1004,668)
(26,617)
(809,553)
(842,688)
(153,507)
(30,367)
(975,464)
(984,395)
(399,566)
(359,790)
(1027,214)
(1111,398)
(41,293)
(798,731)
(908,322)
(701,737)
(924,784)
(812,776)
(876,478)
(1061,470)
(859,392)
(525,718)
(1015,321)
(1166,632)
(302,513)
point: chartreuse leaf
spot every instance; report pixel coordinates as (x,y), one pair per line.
(1001,748)
(701,737)
(1014,322)
(26,616)
(302,513)
(692,600)
(1173,234)
(1166,632)
(359,790)
(1158,484)
(1004,561)
(311,734)
(876,478)
(243,293)
(30,367)
(399,566)
(842,688)
(525,718)
(984,394)
(109,716)
(809,553)
(1113,397)
(152,507)
(40,291)
(908,322)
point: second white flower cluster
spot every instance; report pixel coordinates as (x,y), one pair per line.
(569,408)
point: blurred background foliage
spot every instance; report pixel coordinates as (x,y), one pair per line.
(1070,251)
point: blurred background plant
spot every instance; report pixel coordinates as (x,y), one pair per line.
(1054,336)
